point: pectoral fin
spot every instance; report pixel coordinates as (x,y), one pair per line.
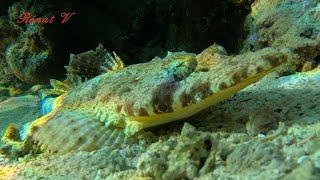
(75,130)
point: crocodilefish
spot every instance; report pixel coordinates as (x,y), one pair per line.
(109,109)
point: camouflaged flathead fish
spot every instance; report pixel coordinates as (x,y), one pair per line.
(106,110)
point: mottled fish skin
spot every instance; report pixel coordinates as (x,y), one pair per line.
(140,96)
(145,90)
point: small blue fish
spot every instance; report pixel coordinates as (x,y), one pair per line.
(46,106)
(46,103)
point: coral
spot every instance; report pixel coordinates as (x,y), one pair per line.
(26,54)
(10,73)
(11,134)
(8,33)
(29,56)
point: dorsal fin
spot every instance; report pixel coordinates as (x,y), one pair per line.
(112,63)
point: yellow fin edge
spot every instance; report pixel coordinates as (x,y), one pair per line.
(182,113)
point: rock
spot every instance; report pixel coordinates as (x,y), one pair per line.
(302,159)
(304,171)
(261,121)
(261,155)
(290,99)
(181,157)
(187,129)
(285,24)
(317,160)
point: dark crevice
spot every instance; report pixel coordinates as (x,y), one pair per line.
(317,60)
(139,31)
(4,6)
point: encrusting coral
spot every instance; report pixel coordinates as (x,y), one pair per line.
(8,33)
(28,57)
(24,50)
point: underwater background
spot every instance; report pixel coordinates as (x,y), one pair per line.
(94,90)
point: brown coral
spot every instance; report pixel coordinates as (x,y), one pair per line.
(11,134)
